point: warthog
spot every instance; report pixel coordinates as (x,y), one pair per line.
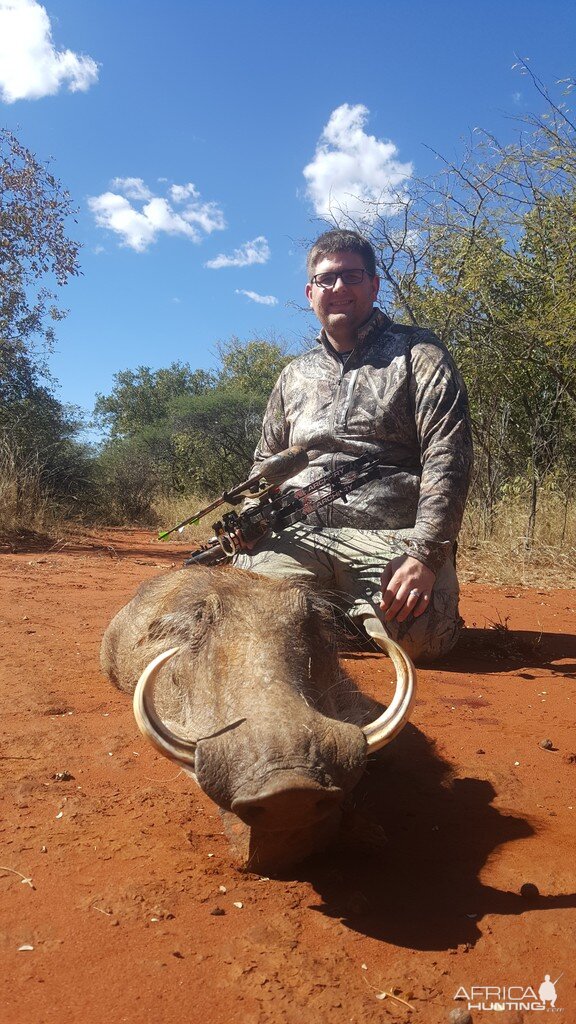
(236,678)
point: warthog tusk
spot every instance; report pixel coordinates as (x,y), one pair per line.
(389,724)
(177,748)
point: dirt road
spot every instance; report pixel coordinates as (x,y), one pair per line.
(112,864)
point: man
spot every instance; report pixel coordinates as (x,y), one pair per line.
(373,386)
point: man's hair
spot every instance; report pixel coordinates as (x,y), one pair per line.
(341,241)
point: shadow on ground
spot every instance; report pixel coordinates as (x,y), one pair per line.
(499,648)
(493,649)
(410,874)
(114,543)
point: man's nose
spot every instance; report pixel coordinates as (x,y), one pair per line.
(338,284)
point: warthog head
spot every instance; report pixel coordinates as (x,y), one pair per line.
(236,678)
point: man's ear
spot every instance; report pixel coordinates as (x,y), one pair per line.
(308,291)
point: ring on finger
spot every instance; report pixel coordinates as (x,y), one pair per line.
(414,593)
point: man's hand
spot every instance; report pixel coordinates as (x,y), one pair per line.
(406,588)
(242,544)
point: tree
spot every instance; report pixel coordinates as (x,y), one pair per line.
(215,435)
(40,453)
(141,398)
(127,478)
(254,366)
(34,247)
(180,431)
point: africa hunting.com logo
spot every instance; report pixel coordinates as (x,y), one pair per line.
(512,997)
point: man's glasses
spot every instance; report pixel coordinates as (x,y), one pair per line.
(347,277)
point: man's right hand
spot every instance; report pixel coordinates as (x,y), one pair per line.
(242,544)
(406,588)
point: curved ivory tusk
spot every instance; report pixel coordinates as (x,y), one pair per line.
(175,747)
(389,724)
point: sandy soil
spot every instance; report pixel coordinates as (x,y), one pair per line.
(112,863)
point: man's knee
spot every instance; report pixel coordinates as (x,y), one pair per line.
(433,634)
(268,563)
(275,556)
(433,644)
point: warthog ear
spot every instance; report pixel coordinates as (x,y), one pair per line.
(318,617)
(298,601)
(305,603)
(320,606)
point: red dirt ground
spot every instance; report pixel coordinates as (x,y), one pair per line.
(125,862)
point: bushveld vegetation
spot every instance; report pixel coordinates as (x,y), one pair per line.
(484,253)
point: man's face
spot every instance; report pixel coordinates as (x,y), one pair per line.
(344,308)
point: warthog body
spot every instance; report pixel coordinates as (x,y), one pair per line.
(253,701)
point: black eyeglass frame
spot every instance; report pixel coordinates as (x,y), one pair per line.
(342,274)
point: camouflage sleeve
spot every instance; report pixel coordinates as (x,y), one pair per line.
(445,437)
(275,430)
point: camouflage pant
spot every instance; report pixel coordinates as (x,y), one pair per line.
(346,564)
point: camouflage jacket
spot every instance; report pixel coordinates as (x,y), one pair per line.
(399,395)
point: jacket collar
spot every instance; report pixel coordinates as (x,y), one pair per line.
(376,324)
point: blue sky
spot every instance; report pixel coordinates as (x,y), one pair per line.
(183,131)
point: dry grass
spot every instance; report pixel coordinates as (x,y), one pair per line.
(171,511)
(505,558)
(23,505)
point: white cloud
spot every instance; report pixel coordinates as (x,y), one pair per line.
(30,65)
(256,251)
(132,188)
(351,169)
(180,193)
(264,300)
(138,228)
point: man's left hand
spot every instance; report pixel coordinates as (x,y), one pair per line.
(406,588)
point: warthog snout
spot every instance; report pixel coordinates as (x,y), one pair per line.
(288,797)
